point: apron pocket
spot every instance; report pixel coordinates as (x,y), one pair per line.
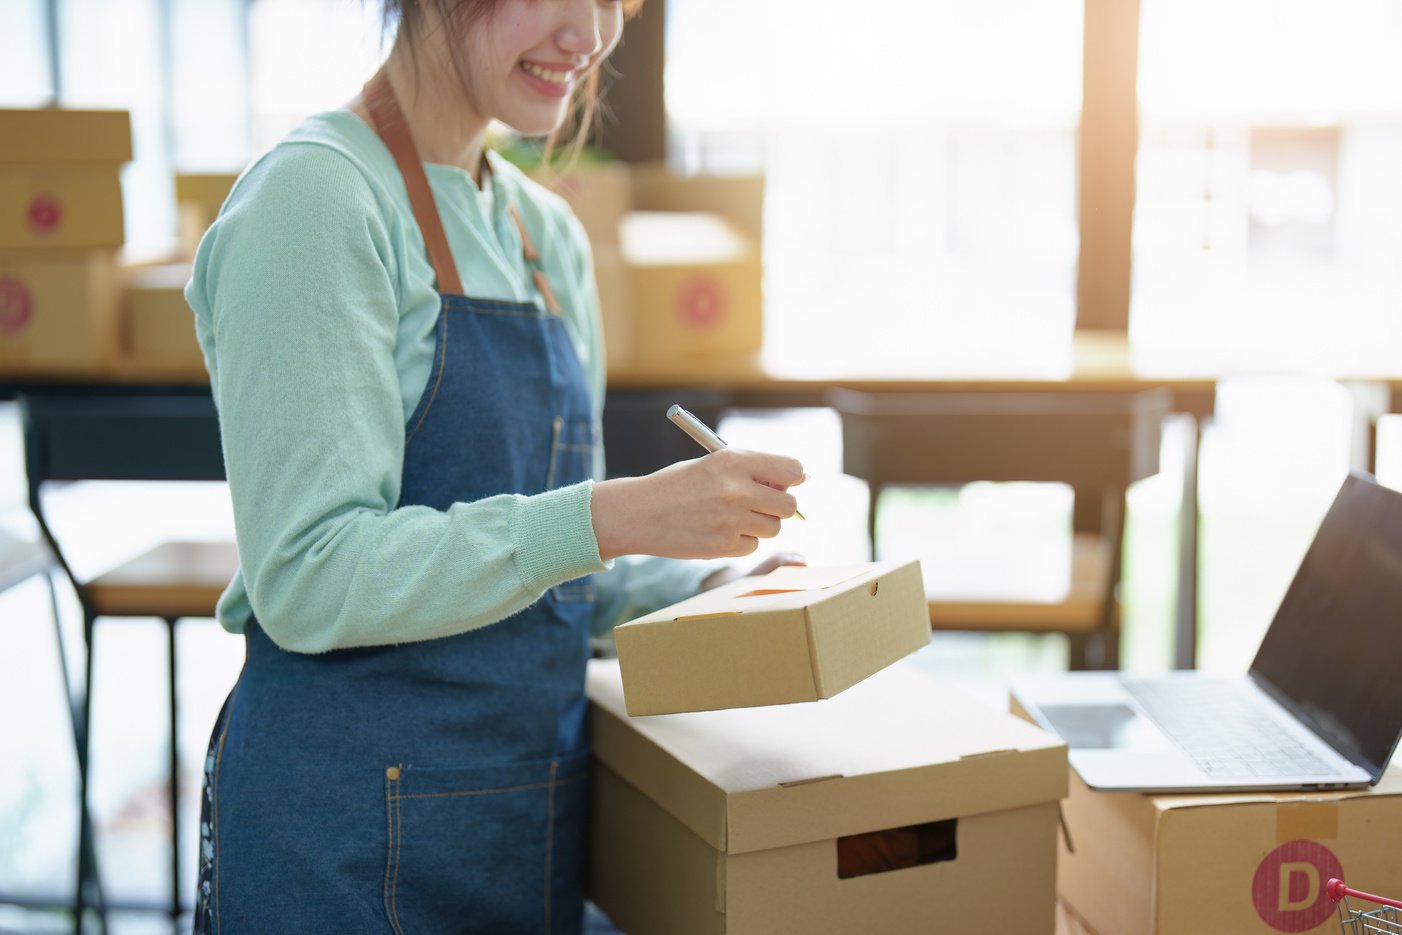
(487,849)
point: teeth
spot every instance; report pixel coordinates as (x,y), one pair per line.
(554,77)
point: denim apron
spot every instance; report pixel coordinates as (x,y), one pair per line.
(437,786)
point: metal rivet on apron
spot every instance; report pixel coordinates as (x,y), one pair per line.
(392,774)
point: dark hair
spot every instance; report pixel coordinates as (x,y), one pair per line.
(401,15)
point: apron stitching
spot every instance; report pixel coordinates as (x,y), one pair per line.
(214,806)
(442,351)
(398,835)
(525,788)
(549,838)
(555,427)
(389,848)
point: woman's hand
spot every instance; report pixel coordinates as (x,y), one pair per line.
(726,575)
(718,506)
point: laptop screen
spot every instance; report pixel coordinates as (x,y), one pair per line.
(1331,653)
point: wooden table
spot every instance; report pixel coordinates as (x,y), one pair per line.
(1092,367)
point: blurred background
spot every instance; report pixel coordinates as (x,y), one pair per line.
(951,189)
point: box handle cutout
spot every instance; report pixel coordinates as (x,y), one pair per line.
(934,842)
(871,588)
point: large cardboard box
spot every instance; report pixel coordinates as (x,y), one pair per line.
(796,634)
(158,326)
(60,206)
(694,287)
(901,806)
(1247,862)
(58,310)
(51,135)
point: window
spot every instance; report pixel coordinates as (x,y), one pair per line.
(1267,228)
(920,170)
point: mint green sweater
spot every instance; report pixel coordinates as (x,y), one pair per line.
(315,306)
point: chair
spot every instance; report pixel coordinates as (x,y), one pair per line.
(129,437)
(1098,444)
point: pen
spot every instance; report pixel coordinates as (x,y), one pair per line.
(704,437)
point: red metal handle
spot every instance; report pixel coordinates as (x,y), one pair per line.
(1337,891)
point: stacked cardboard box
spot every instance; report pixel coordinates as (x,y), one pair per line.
(1140,864)
(158,326)
(198,198)
(677,261)
(901,805)
(61,226)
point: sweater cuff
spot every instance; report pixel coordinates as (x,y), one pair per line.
(553,537)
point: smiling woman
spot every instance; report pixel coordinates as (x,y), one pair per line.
(453,19)
(403,340)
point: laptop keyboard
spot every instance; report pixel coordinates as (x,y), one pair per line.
(1225,730)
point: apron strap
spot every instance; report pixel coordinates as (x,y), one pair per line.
(389,122)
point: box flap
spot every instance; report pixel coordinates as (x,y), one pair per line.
(1390,784)
(900,748)
(786,587)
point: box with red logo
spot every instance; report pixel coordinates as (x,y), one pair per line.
(693,287)
(1246,862)
(60,182)
(58,310)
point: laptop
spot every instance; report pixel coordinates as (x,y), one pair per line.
(1320,708)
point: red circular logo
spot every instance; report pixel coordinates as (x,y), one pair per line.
(702,302)
(16,305)
(1288,889)
(45,214)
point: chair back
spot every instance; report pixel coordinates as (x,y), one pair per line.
(116,436)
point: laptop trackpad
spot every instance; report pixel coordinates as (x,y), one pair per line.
(1104,727)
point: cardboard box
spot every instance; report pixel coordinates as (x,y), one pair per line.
(611,278)
(694,286)
(600,194)
(741,822)
(158,325)
(60,206)
(51,135)
(737,198)
(796,634)
(198,198)
(58,310)
(1243,862)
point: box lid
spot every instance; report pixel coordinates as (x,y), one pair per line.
(60,135)
(900,748)
(795,634)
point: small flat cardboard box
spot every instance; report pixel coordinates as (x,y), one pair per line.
(158,326)
(796,634)
(733,821)
(1244,862)
(60,206)
(694,286)
(58,310)
(51,135)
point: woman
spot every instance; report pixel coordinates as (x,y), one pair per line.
(401,333)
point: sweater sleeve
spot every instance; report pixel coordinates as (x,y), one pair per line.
(295,292)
